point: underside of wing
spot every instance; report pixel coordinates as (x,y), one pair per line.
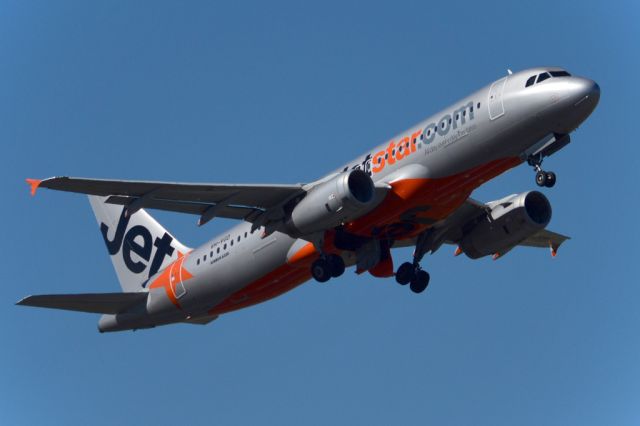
(487,225)
(545,239)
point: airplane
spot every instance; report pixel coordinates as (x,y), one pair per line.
(413,190)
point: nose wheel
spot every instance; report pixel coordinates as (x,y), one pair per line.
(546,179)
(543,178)
(414,275)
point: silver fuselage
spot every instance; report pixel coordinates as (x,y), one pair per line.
(500,121)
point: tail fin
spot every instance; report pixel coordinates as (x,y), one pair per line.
(138,245)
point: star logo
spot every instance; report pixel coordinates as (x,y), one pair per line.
(172,278)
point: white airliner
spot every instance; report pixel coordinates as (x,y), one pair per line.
(410,191)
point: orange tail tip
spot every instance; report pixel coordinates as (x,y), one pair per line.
(34,183)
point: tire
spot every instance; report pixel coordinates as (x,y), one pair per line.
(336,265)
(550,179)
(541,178)
(406,273)
(420,282)
(320,271)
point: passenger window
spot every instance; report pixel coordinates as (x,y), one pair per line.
(478,105)
(542,77)
(205,258)
(238,238)
(245,235)
(530,81)
(225,246)
(211,254)
(231,242)
(198,262)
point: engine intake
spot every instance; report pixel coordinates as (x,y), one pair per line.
(510,221)
(346,197)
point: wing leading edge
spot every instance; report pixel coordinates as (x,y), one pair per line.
(233,201)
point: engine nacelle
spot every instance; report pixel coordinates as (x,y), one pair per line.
(332,203)
(510,221)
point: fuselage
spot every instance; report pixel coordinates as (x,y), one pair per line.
(431,169)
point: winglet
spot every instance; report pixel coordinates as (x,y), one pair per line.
(496,256)
(35,183)
(458,251)
(554,248)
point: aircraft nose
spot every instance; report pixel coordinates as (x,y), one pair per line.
(587,94)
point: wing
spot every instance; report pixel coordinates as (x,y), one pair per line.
(103,303)
(247,202)
(451,230)
(547,239)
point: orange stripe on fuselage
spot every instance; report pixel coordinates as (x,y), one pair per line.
(304,256)
(275,283)
(413,205)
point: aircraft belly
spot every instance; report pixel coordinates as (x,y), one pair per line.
(414,204)
(244,265)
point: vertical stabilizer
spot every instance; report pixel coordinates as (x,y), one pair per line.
(138,245)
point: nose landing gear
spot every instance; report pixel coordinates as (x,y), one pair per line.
(543,178)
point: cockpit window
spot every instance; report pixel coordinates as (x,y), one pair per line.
(542,77)
(530,81)
(545,75)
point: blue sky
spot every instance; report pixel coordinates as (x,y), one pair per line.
(283,92)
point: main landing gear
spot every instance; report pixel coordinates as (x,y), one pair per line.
(410,272)
(543,178)
(414,275)
(327,267)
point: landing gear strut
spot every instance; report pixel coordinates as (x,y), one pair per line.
(327,267)
(543,178)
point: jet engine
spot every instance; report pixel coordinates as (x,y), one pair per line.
(341,199)
(509,222)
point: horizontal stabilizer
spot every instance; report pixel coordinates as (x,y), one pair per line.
(101,303)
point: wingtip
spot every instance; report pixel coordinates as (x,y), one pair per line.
(23,301)
(34,183)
